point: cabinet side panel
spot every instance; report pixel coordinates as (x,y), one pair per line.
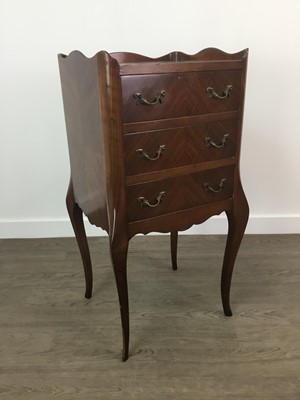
(111,118)
(83,123)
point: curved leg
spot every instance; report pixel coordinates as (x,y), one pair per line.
(237,221)
(174,241)
(119,260)
(75,214)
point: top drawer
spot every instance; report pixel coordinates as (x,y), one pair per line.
(179,94)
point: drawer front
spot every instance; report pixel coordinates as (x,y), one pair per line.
(177,147)
(151,199)
(179,94)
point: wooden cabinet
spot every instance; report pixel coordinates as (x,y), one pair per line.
(154,145)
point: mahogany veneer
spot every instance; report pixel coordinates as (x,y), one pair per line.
(154,145)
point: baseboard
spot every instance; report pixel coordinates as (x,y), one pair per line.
(258,224)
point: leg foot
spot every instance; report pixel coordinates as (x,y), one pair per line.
(75,214)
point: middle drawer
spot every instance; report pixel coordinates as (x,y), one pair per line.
(176,147)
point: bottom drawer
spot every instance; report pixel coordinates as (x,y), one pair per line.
(151,199)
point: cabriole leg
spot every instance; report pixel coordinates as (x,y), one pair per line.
(75,214)
(119,261)
(237,222)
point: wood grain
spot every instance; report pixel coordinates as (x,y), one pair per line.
(180,100)
(57,344)
(194,147)
(181,193)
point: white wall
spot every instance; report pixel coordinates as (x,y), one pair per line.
(34,165)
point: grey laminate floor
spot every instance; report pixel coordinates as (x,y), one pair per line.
(56,344)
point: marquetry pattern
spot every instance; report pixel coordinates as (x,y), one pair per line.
(186,94)
(183,146)
(181,193)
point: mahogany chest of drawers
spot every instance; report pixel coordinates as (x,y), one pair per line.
(154,145)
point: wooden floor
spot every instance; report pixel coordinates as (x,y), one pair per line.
(56,344)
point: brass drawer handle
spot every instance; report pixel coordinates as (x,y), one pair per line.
(145,202)
(225,93)
(141,100)
(211,143)
(159,152)
(209,188)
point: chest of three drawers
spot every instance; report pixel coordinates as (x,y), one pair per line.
(154,145)
(181,134)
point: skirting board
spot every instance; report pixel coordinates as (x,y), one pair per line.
(258,224)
